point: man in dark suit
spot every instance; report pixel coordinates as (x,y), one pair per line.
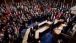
(35,25)
(69,24)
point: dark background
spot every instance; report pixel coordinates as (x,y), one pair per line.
(8,1)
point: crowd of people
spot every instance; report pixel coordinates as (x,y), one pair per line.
(22,14)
